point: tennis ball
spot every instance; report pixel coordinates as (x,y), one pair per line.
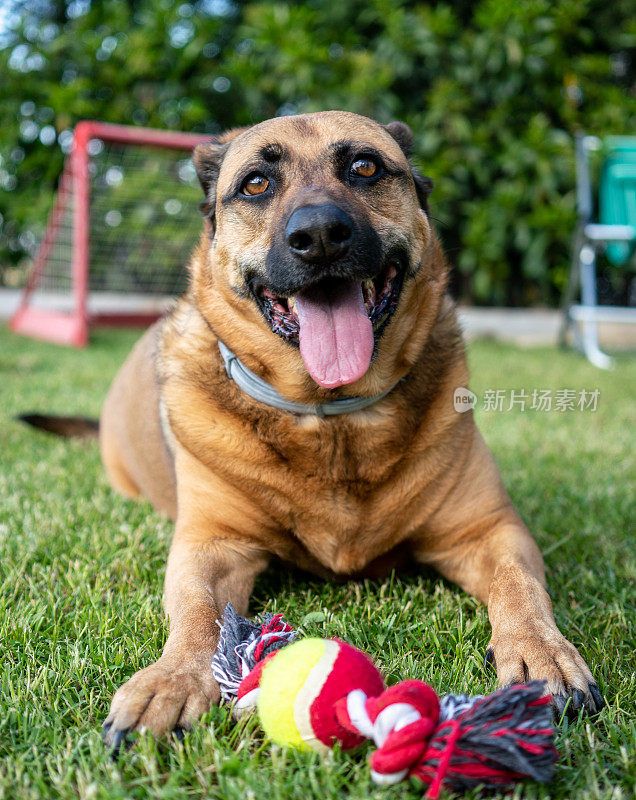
(300,686)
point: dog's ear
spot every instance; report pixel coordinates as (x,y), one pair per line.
(207,159)
(403,135)
(423,187)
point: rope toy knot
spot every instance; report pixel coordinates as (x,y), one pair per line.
(403,718)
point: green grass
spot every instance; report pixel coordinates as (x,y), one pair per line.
(82,569)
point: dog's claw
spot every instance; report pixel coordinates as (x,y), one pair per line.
(598,698)
(179,733)
(571,705)
(578,699)
(489,658)
(559,703)
(118,739)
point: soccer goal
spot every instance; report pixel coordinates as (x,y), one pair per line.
(123,223)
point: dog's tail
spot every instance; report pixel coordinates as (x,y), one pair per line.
(77,427)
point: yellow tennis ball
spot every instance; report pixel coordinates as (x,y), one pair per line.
(284,679)
(301,686)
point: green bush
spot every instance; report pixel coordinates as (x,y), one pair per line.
(493,90)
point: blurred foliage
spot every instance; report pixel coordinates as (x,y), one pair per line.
(134,191)
(493,90)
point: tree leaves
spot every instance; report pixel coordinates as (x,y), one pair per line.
(493,92)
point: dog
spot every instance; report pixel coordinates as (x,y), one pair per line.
(320,277)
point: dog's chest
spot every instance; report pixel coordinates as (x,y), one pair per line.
(348,461)
(341,550)
(344,523)
(342,494)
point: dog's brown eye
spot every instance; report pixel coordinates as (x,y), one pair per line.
(365,167)
(255,184)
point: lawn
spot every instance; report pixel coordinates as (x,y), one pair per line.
(82,571)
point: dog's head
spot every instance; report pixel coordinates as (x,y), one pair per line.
(316,226)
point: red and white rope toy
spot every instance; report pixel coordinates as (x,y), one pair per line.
(315,692)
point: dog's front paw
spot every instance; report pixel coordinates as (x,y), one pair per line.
(166,695)
(545,654)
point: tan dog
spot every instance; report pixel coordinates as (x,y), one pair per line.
(319,269)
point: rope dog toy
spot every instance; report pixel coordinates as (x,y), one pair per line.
(312,693)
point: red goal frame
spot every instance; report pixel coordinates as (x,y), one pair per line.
(72,328)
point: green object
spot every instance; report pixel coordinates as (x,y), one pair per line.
(617,193)
(82,577)
(481,84)
(313,618)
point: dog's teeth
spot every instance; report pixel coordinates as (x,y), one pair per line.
(368,287)
(368,293)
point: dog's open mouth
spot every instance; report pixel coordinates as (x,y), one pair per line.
(336,322)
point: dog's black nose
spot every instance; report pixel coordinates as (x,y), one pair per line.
(319,233)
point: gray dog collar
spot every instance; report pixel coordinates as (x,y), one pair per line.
(257,388)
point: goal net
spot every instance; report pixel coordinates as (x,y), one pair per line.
(122,226)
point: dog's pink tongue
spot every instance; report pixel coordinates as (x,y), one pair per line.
(336,337)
